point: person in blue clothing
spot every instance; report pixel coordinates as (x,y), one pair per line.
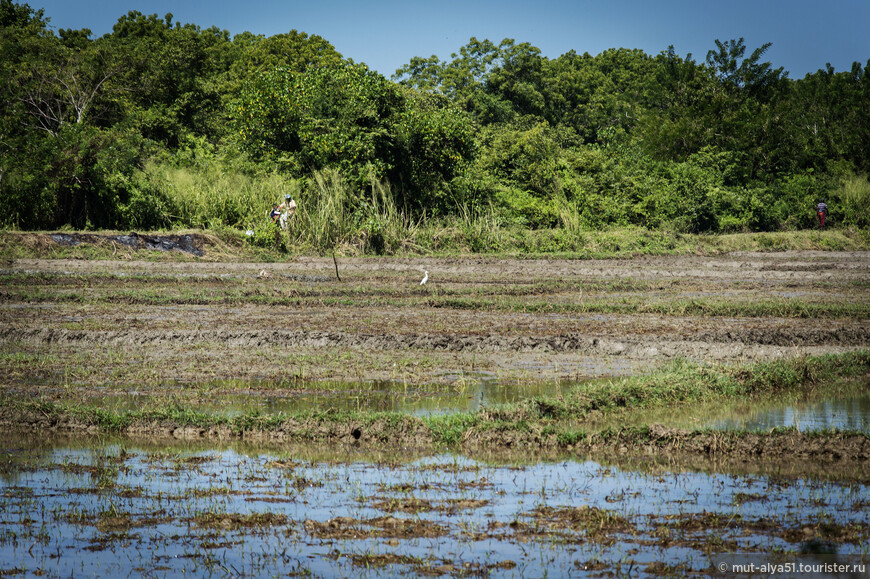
(822,211)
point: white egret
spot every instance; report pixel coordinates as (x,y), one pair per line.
(425,277)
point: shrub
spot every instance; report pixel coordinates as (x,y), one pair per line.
(852,206)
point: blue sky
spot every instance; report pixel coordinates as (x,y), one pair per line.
(806,34)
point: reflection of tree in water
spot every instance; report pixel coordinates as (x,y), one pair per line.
(846,414)
(849,414)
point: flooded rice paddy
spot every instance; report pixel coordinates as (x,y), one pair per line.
(117,508)
(76,329)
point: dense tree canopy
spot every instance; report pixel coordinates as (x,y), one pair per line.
(618,138)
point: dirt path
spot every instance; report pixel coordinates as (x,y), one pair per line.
(101,322)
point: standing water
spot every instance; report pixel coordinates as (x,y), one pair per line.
(845,414)
(118,509)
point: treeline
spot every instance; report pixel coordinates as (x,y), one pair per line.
(162,124)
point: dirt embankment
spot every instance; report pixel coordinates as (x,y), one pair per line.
(788,450)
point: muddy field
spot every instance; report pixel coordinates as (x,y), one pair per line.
(376,497)
(505,319)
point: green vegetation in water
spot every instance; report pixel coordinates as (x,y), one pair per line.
(684,382)
(559,418)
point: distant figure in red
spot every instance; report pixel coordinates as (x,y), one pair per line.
(822,210)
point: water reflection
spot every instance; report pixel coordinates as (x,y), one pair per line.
(123,510)
(846,414)
(470,392)
(466,394)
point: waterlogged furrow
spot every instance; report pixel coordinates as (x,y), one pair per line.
(126,510)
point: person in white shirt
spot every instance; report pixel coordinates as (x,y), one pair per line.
(287,209)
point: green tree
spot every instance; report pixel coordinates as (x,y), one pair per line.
(828,115)
(22,29)
(730,104)
(66,162)
(746,74)
(175,77)
(295,51)
(337,116)
(465,78)
(435,144)
(675,124)
(601,95)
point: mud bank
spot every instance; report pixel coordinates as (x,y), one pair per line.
(192,244)
(411,433)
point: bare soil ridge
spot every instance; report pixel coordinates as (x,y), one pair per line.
(380,324)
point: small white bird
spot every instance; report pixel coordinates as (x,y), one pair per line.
(425,277)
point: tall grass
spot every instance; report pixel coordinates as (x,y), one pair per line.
(335,215)
(323,218)
(854,196)
(210,197)
(387,229)
(569,214)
